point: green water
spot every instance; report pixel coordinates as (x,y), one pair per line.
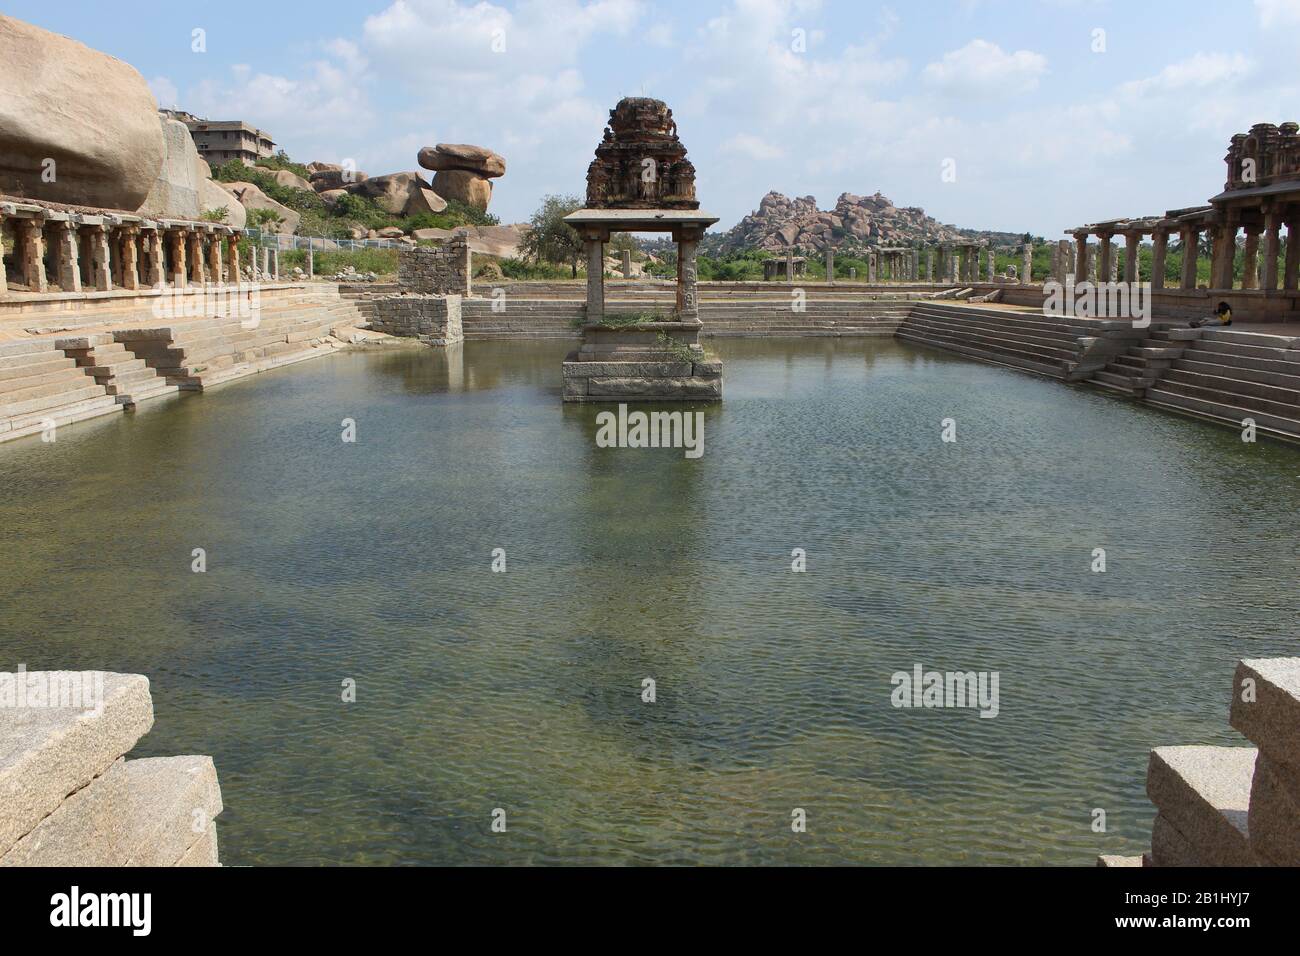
(522,690)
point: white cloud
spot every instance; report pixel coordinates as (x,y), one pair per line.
(1278,13)
(165,92)
(751,147)
(981,67)
(1201,71)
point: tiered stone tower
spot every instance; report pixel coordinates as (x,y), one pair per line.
(1233,806)
(641,181)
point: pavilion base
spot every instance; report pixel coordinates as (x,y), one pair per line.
(651,362)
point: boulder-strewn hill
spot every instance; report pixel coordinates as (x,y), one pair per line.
(856,222)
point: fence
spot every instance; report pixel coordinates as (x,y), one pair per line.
(282,243)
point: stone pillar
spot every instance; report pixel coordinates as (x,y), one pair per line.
(129,253)
(1272,247)
(1105,254)
(1250,261)
(1292,265)
(1159,253)
(688,307)
(992,260)
(311,261)
(1191,243)
(214,259)
(101,268)
(195,239)
(789,266)
(871,267)
(68,257)
(596,279)
(4,279)
(1224,249)
(916,264)
(929,264)
(156,279)
(176,245)
(830,264)
(1027,274)
(275,263)
(235,276)
(1132,243)
(627,263)
(1080,257)
(33,254)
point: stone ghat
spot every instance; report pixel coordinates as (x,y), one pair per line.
(67,359)
(1232,806)
(68,795)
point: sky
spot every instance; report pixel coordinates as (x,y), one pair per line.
(1016,115)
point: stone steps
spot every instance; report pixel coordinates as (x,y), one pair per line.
(1008,342)
(1052,370)
(1203,793)
(1218,411)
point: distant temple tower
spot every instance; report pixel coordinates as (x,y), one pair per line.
(640,163)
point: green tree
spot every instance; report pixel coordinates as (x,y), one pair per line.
(550,238)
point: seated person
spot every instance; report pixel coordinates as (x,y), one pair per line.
(1222,316)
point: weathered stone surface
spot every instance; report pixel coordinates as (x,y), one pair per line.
(1275,812)
(175,193)
(1205,793)
(173,800)
(402,194)
(89,112)
(649,389)
(1169,847)
(289,179)
(435,319)
(48,752)
(462,186)
(204,851)
(390,232)
(251,197)
(336,178)
(1272,720)
(435,270)
(212,196)
(1112,862)
(332,196)
(627,369)
(86,829)
(475,159)
(318,167)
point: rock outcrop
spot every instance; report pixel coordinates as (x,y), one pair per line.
(401,194)
(175,193)
(284,177)
(462,172)
(856,222)
(89,113)
(335,178)
(251,197)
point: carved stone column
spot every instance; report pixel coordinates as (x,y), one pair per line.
(4,279)
(1081,256)
(69,257)
(1250,259)
(155,278)
(1272,248)
(214,259)
(1132,245)
(1026,275)
(176,244)
(130,258)
(101,267)
(596,279)
(1159,253)
(1291,272)
(929,264)
(33,254)
(687,275)
(830,264)
(1191,242)
(195,240)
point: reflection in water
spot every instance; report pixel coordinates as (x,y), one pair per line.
(523,690)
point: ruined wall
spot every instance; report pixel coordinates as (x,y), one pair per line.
(435,270)
(434,319)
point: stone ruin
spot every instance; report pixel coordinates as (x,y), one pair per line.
(640,163)
(1232,806)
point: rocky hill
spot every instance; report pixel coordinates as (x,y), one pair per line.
(856,222)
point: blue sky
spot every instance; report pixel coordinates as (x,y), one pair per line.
(1045,133)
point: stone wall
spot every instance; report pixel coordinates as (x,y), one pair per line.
(434,319)
(435,270)
(68,795)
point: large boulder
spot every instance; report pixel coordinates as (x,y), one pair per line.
(250,197)
(90,113)
(324,179)
(463,187)
(322,167)
(175,193)
(212,196)
(401,194)
(474,159)
(284,177)
(332,196)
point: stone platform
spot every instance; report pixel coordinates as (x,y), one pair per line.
(645,362)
